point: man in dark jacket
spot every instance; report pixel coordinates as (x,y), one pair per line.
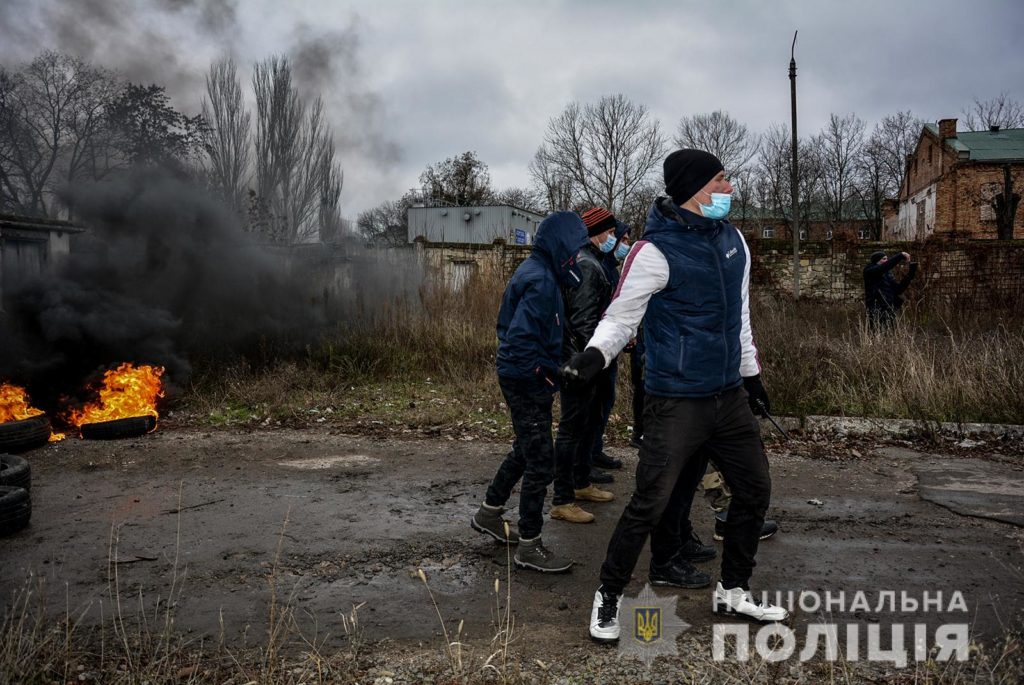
(688,280)
(882,292)
(581,407)
(606,390)
(530,324)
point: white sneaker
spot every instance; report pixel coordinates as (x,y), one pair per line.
(739,602)
(604,617)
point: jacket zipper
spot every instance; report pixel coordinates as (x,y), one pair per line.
(725,312)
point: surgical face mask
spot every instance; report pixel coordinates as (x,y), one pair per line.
(719,207)
(622,250)
(609,243)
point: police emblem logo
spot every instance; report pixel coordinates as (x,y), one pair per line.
(655,625)
(647,623)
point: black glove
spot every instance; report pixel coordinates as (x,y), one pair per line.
(757,396)
(584,366)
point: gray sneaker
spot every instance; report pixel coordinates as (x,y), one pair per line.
(533,555)
(488,520)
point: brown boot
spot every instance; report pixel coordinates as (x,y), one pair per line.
(592,493)
(571,513)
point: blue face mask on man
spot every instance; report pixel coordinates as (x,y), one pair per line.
(609,243)
(622,250)
(719,207)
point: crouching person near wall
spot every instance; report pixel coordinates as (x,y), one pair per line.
(688,280)
(530,324)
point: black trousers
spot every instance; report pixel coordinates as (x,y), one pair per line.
(574,442)
(532,458)
(636,373)
(680,434)
(606,397)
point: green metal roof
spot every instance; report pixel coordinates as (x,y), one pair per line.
(987,146)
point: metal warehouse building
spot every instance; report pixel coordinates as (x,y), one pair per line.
(481,225)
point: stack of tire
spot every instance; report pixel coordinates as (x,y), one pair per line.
(16,472)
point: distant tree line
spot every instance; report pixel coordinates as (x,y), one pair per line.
(609,154)
(64,121)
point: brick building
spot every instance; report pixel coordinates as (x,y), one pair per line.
(770,227)
(953,183)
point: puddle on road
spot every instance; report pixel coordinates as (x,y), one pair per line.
(329,462)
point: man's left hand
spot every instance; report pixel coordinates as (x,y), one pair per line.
(757,395)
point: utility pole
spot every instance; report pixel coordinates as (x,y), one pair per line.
(794,176)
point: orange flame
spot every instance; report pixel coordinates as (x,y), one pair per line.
(127,391)
(14,404)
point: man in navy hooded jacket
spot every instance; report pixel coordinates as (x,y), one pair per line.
(688,280)
(530,325)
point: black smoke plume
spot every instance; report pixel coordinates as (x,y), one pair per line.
(164,273)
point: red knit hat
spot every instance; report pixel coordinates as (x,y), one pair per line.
(598,220)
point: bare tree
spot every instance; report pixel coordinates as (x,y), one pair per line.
(870,186)
(1005,205)
(770,183)
(634,212)
(552,183)
(1000,111)
(331,180)
(293,153)
(51,114)
(839,146)
(603,152)
(386,224)
(524,198)
(460,180)
(227,132)
(894,139)
(722,136)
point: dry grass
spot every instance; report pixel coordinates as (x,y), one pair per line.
(939,364)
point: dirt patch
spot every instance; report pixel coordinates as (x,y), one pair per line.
(331,521)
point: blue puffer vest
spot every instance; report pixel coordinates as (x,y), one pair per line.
(692,327)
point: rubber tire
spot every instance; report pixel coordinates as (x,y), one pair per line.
(18,436)
(132,427)
(15,471)
(15,509)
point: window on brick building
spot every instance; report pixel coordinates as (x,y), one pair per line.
(803,234)
(862,233)
(929,155)
(768,232)
(828,234)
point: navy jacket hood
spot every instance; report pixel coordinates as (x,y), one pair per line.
(559,238)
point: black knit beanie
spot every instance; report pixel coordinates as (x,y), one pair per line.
(876,257)
(687,171)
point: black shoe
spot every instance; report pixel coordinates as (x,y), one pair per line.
(599,476)
(769,528)
(606,461)
(695,551)
(679,573)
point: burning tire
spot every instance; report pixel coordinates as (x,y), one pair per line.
(131,427)
(15,472)
(18,436)
(15,509)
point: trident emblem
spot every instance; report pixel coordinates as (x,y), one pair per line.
(648,623)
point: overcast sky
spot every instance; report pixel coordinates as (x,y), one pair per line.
(408,83)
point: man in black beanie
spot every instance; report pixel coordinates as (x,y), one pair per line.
(688,281)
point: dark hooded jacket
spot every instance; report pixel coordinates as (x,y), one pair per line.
(881,290)
(532,316)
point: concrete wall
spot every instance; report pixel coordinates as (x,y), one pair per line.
(971,273)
